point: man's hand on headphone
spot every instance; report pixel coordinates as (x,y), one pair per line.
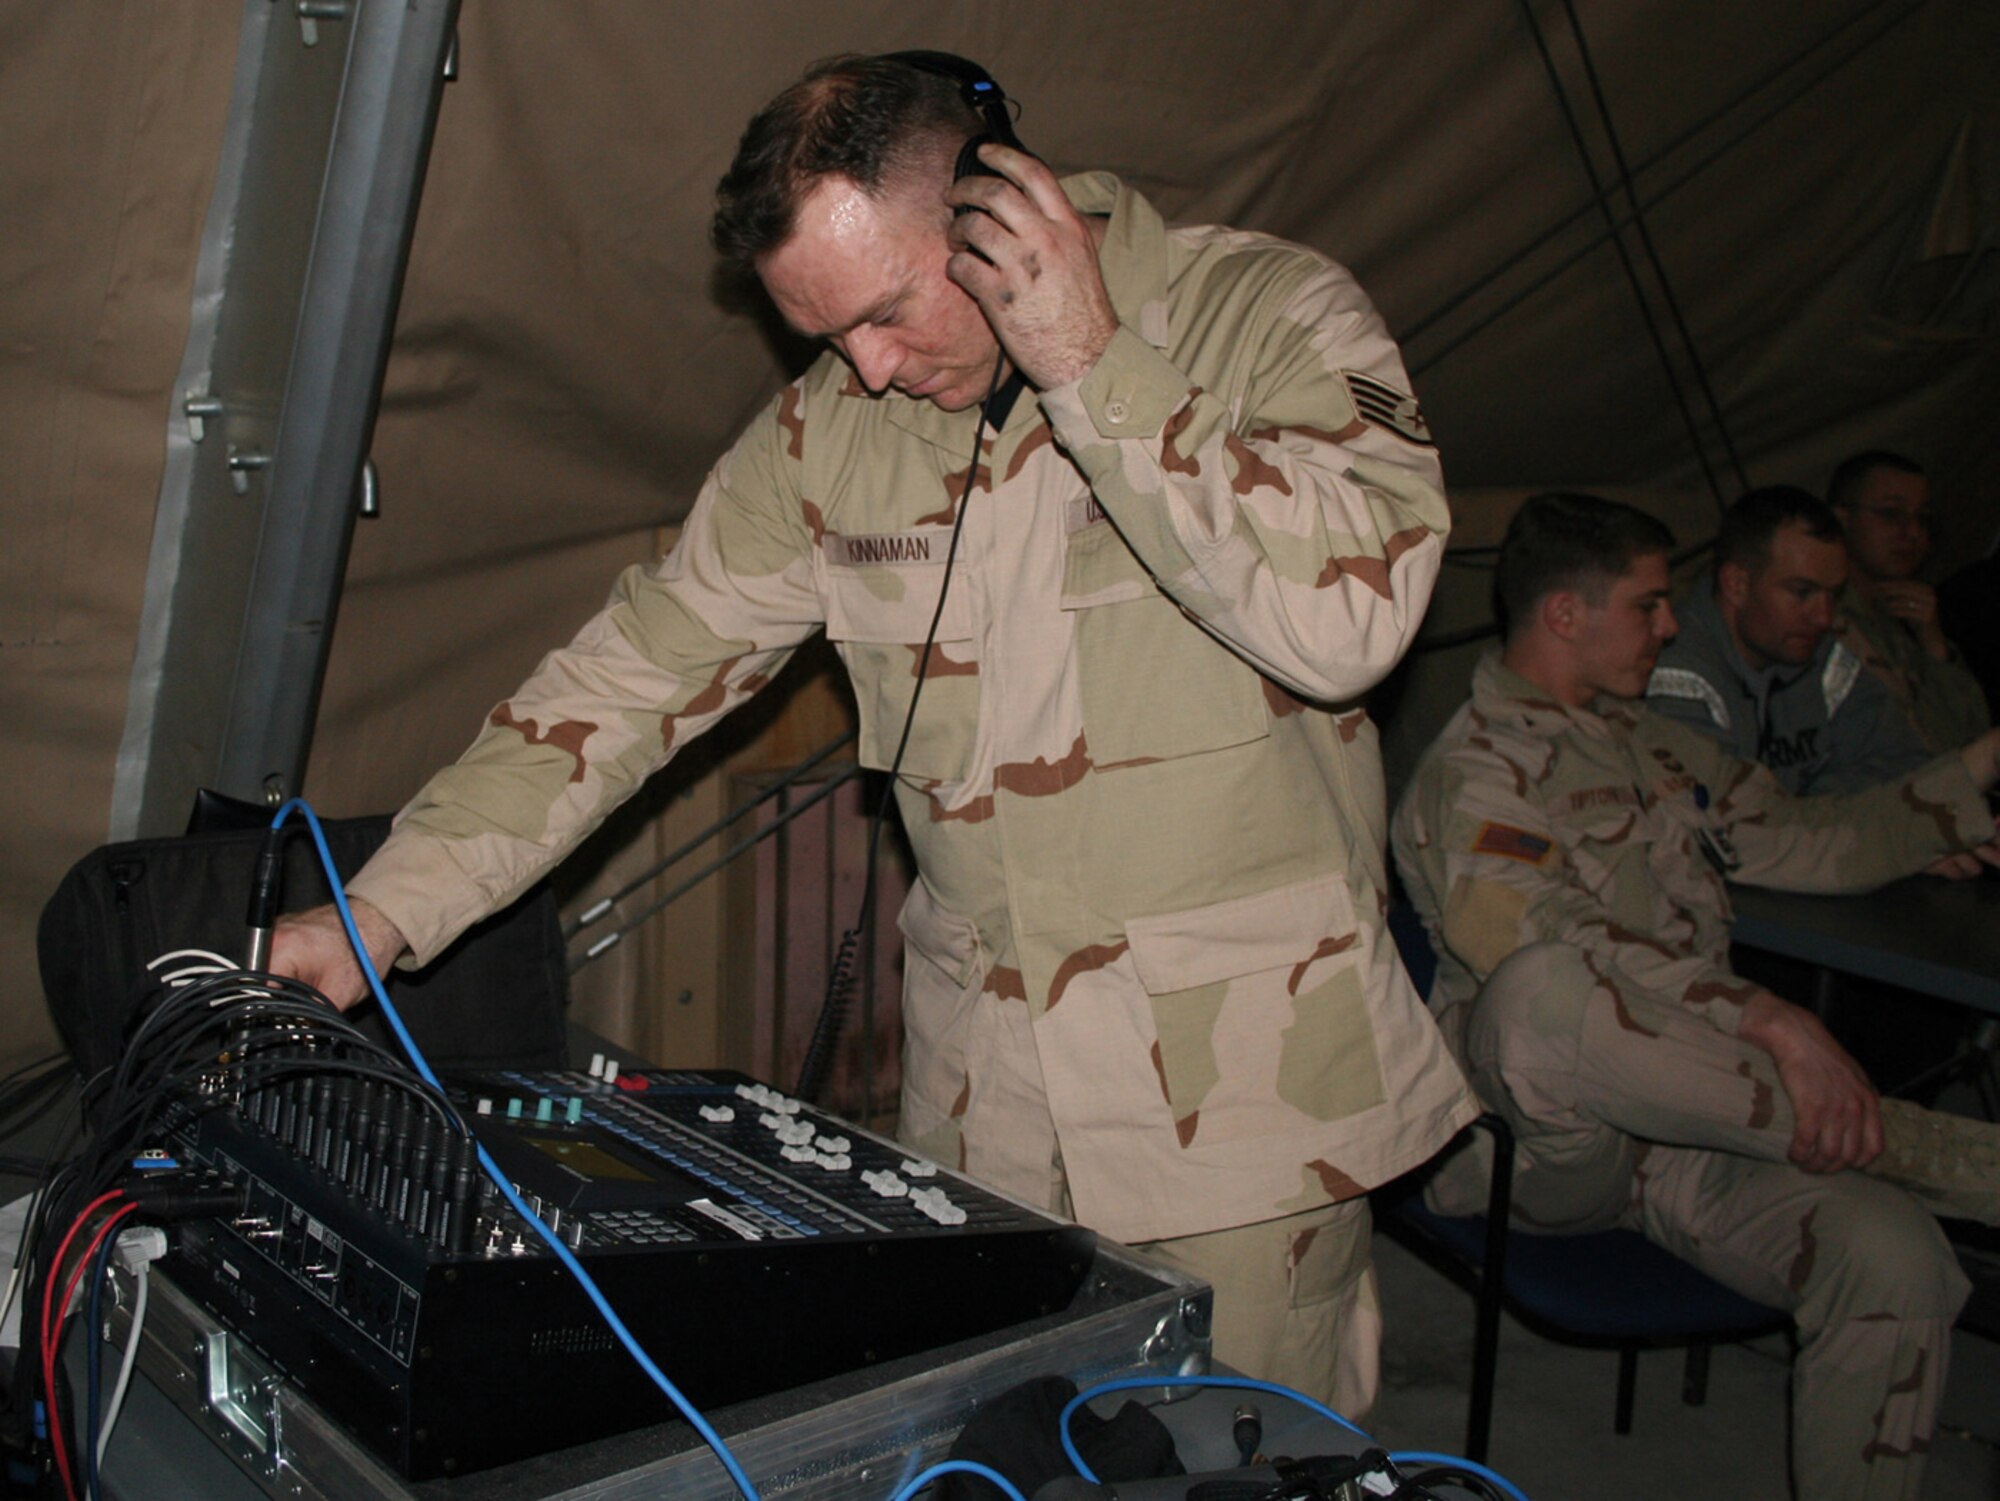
(1029,259)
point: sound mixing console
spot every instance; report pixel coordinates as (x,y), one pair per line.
(751,1242)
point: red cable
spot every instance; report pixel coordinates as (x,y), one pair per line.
(51,1334)
(55,1267)
(51,1324)
(69,1294)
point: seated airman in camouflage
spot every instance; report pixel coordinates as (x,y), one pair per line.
(1888,615)
(1567,850)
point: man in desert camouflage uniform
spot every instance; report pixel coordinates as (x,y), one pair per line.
(1888,616)
(1145,972)
(1566,848)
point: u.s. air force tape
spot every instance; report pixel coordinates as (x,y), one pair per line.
(1385,406)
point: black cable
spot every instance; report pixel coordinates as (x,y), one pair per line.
(199,1043)
(840,977)
(1247,1429)
(166,1057)
(57,1408)
(1421,1481)
(28,1105)
(266,881)
(833,1009)
(32,1079)
(93,1363)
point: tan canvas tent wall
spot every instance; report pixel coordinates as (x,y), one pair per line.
(1818,183)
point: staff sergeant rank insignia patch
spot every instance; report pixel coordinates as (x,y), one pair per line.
(1385,406)
(1515,844)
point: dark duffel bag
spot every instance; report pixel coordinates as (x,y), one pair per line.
(494,999)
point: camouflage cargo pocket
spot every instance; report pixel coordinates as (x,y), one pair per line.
(1609,849)
(879,614)
(1154,684)
(941,978)
(1261,1012)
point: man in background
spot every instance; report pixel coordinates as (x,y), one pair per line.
(1756,665)
(1566,849)
(1888,616)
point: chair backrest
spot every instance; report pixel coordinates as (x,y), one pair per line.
(1414,945)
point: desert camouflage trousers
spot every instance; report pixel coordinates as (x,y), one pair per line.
(1629,1111)
(1295,1301)
(1295,1297)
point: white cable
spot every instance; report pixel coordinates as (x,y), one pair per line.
(217,960)
(13,1287)
(144,1278)
(28,1204)
(178,977)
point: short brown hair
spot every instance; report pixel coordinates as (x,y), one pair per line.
(1744,538)
(1564,540)
(873,120)
(1845,486)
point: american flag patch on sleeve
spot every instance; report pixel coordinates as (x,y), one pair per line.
(1515,844)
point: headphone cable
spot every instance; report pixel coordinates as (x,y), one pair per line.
(1001,393)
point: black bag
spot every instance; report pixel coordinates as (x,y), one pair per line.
(1017,1435)
(494,999)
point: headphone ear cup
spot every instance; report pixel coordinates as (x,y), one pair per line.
(1000,126)
(969,164)
(981,95)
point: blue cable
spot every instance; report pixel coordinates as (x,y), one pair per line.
(554,1242)
(1246,1383)
(658,1377)
(1419,1457)
(958,1467)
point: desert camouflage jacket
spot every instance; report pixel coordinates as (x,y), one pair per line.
(1826,726)
(1610,828)
(1147,812)
(1943,699)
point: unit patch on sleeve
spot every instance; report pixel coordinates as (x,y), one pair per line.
(1385,406)
(1515,844)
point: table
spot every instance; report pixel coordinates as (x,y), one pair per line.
(1923,933)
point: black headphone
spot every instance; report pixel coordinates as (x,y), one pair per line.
(981,95)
